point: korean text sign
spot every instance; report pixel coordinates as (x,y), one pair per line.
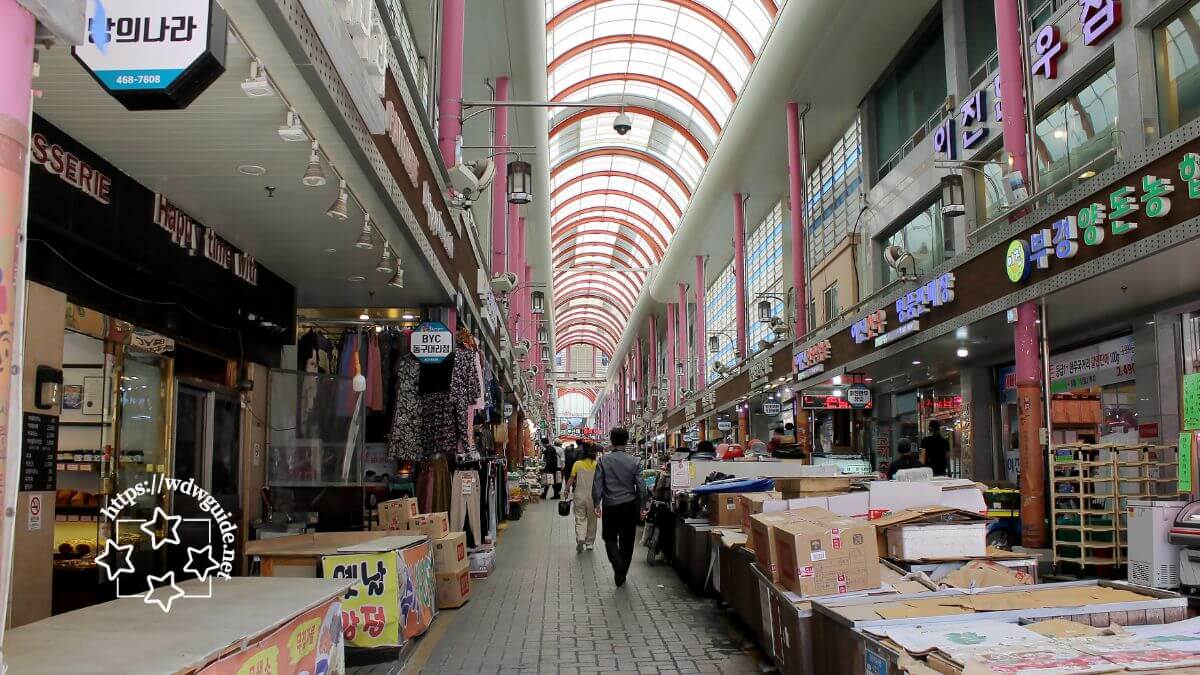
(371,607)
(309,643)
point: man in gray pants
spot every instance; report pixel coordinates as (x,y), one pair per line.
(616,492)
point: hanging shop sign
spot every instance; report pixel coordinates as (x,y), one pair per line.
(690,408)
(771,408)
(858,396)
(101,237)
(811,361)
(1099,365)
(710,398)
(760,369)
(154,55)
(724,425)
(431,342)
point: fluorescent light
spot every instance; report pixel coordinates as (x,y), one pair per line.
(916,363)
(1087,174)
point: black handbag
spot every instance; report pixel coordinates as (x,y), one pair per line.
(564,507)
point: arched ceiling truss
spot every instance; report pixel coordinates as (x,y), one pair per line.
(674,67)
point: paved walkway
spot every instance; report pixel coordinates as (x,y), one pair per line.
(547,609)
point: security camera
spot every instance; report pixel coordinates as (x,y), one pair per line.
(521,349)
(622,124)
(901,260)
(504,283)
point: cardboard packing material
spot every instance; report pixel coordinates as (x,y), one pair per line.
(806,485)
(985,574)
(450,552)
(822,553)
(725,509)
(852,504)
(762,536)
(453,588)
(432,525)
(888,496)
(933,533)
(395,512)
(753,503)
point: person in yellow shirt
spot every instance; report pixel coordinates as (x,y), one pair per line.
(583,471)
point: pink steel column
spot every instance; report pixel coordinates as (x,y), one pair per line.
(1025,333)
(672,382)
(796,180)
(739,273)
(16,80)
(530,326)
(499,201)
(701,332)
(450,80)
(681,350)
(652,392)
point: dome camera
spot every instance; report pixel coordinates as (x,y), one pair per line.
(622,124)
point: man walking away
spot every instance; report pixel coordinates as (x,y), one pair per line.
(551,472)
(935,451)
(616,492)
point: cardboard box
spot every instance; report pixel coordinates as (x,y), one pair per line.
(725,509)
(852,504)
(450,552)
(754,503)
(804,486)
(482,562)
(395,512)
(762,535)
(432,525)
(453,588)
(933,533)
(822,553)
(887,496)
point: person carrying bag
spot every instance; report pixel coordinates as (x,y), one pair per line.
(583,474)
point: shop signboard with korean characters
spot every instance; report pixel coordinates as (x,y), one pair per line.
(432,342)
(151,54)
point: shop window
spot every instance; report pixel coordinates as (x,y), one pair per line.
(1077,131)
(832,307)
(980,19)
(719,318)
(909,95)
(831,206)
(764,273)
(927,236)
(1177,68)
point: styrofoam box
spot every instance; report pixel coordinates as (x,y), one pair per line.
(937,541)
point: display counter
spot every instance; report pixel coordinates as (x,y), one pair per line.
(299,555)
(248,624)
(839,624)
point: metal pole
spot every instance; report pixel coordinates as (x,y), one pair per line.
(701,347)
(454,17)
(499,201)
(796,178)
(739,273)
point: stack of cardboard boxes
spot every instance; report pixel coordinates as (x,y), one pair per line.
(451,566)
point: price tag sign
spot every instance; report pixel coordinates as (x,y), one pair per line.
(1191,401)
(859,396)
(772,408)
(1185,462)
(432,342)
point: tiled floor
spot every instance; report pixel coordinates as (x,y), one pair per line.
(547,609)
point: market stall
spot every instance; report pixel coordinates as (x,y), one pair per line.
(285,626)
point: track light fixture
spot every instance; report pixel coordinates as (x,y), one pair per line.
(339,209)
(397,281)
(385,260)
(365,235)
(314,175)
(292,130)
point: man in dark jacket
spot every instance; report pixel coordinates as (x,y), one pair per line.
(552,472)
(617,492)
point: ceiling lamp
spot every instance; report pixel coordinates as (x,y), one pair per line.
(257,85)
(292,130)
(314,175)
(338,210)
(520,182)
(364,316)
(365,237)
(385,260)
(397,280)
(537,301)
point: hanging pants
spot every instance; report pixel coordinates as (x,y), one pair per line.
(620,531)
(464,503)
(585,510)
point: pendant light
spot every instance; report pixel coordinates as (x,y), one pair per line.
(537,301)
(365,236)
(314,175)
(541,334)
(520,182)
(385,260)
(338,210)
(397,280)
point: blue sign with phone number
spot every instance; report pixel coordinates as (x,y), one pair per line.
(138,79)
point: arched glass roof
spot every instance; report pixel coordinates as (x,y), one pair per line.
(674,67)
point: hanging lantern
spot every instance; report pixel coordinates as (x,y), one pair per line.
(538,301)
(953,202)
(714,344)
(542,338)
(764,311)
(545,354)
(520,182)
